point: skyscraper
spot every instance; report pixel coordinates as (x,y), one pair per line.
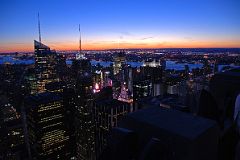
(118,59)
(45,65)
(108,113)
(80,55)
(47,137)
(84,121)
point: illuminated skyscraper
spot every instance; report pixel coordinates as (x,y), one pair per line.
(45,65)
(118,59)
(47,137)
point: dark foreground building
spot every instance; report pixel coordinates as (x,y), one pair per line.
(225,88)
(107,114)
(159,133)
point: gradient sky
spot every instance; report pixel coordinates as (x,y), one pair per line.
(120,23)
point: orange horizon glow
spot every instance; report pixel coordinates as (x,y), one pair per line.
(122,24)
(123,45)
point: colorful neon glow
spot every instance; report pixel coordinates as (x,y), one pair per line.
(96,88)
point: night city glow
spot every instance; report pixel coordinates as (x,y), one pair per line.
(120,79)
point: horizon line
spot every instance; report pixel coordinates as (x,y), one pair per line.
(76,50)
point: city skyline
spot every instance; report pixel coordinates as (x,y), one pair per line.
(120,79)
(120,24)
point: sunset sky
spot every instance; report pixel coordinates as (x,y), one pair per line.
(109,24)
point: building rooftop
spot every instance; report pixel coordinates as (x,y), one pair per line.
(40,45)
(232,72)
(110,102)
(184,136)
(41,98)
(173,101)
(172,121)
(232,75)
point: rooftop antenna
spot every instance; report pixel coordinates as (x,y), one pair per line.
(39,30)
(80,40)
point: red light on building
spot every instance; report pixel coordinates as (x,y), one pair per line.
(96,88)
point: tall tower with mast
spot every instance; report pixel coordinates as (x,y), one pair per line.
(80,55)
(80,40)
(39,29)
(45,132)
(45,63)
(85,128)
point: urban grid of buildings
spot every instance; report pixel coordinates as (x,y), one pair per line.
(53,110)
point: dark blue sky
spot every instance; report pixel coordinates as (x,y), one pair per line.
(129,23)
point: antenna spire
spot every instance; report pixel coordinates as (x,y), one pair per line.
(80,40)
(39,29)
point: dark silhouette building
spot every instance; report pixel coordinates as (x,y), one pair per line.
(84,122)
(107,114)
(224,88)
(11,133)
(141,88)
(180,135)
